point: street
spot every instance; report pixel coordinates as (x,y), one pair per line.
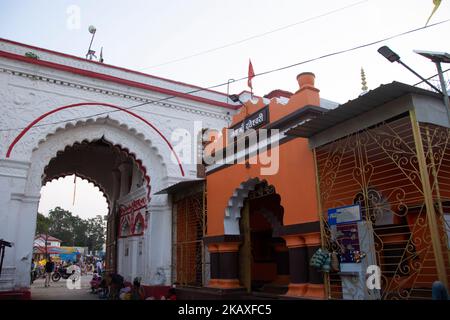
(60,291)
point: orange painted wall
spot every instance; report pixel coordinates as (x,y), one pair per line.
(294,182)
(307,94)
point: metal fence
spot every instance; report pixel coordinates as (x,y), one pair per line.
(391,171)
(190,262)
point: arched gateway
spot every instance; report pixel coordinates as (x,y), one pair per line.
(65,115)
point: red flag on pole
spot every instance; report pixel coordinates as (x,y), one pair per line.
(251,75)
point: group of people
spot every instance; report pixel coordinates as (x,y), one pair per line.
(50,266)
(39,270)
(112,286)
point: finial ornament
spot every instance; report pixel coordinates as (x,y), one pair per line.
(363,80)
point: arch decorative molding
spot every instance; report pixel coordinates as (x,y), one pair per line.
(119,151)
(116,93)
(146,156)
(84,177)
(84,104)
(235,204)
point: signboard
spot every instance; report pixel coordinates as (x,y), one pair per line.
(133,206)
(133,217)
(253,121)
(342,215)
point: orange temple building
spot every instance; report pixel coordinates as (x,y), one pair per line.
(263,228)
(365,181)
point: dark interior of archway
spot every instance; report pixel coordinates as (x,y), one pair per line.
(265,216)
(94,161)
(99,162)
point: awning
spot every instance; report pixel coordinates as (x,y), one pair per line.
(353,108)
(179,186)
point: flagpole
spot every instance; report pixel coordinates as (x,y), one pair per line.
(74,188)
(251,75)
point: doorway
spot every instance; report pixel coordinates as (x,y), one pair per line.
(261,215)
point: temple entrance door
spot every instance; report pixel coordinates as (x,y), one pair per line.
(261,265)
(245,252)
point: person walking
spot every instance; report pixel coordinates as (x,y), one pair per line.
(99,267)
(33,271)
(49,268)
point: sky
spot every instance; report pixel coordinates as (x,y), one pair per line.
(208,42)
(89,200)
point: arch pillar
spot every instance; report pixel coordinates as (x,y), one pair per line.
(125,169)
(297,265)
(303,240)
(17,226)
(316,287)
(282,260)
(224,259)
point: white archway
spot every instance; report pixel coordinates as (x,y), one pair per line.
(91,130)
(22,199)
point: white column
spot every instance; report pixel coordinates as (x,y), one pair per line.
(133,257)
(160,246)
(17,224)
(25,230)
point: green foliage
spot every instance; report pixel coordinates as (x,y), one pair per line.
(73,230)
(42,224)
(96,232)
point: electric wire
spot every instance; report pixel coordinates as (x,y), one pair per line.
(256,36)
(239,79)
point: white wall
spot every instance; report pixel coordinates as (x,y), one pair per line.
(27,91)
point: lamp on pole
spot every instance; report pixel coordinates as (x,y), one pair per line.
(438,58)
(90,52)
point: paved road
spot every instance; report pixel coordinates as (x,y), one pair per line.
(60,291)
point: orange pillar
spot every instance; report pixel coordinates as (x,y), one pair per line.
(224,265)
(316,288)
(282,259)
(297,265)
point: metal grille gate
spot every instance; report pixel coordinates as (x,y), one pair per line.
(391,170)
(189,251)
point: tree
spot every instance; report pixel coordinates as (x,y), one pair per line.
(42,224)
(61,225)
(80,231)
(42,228)
(96,233)
(73,230)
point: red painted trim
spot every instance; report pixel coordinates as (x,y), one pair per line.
(25,130)
(106,65)
(136,220)
(105,77)
(21,294)
(132,212)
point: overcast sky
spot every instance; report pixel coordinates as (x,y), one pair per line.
(146,35)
